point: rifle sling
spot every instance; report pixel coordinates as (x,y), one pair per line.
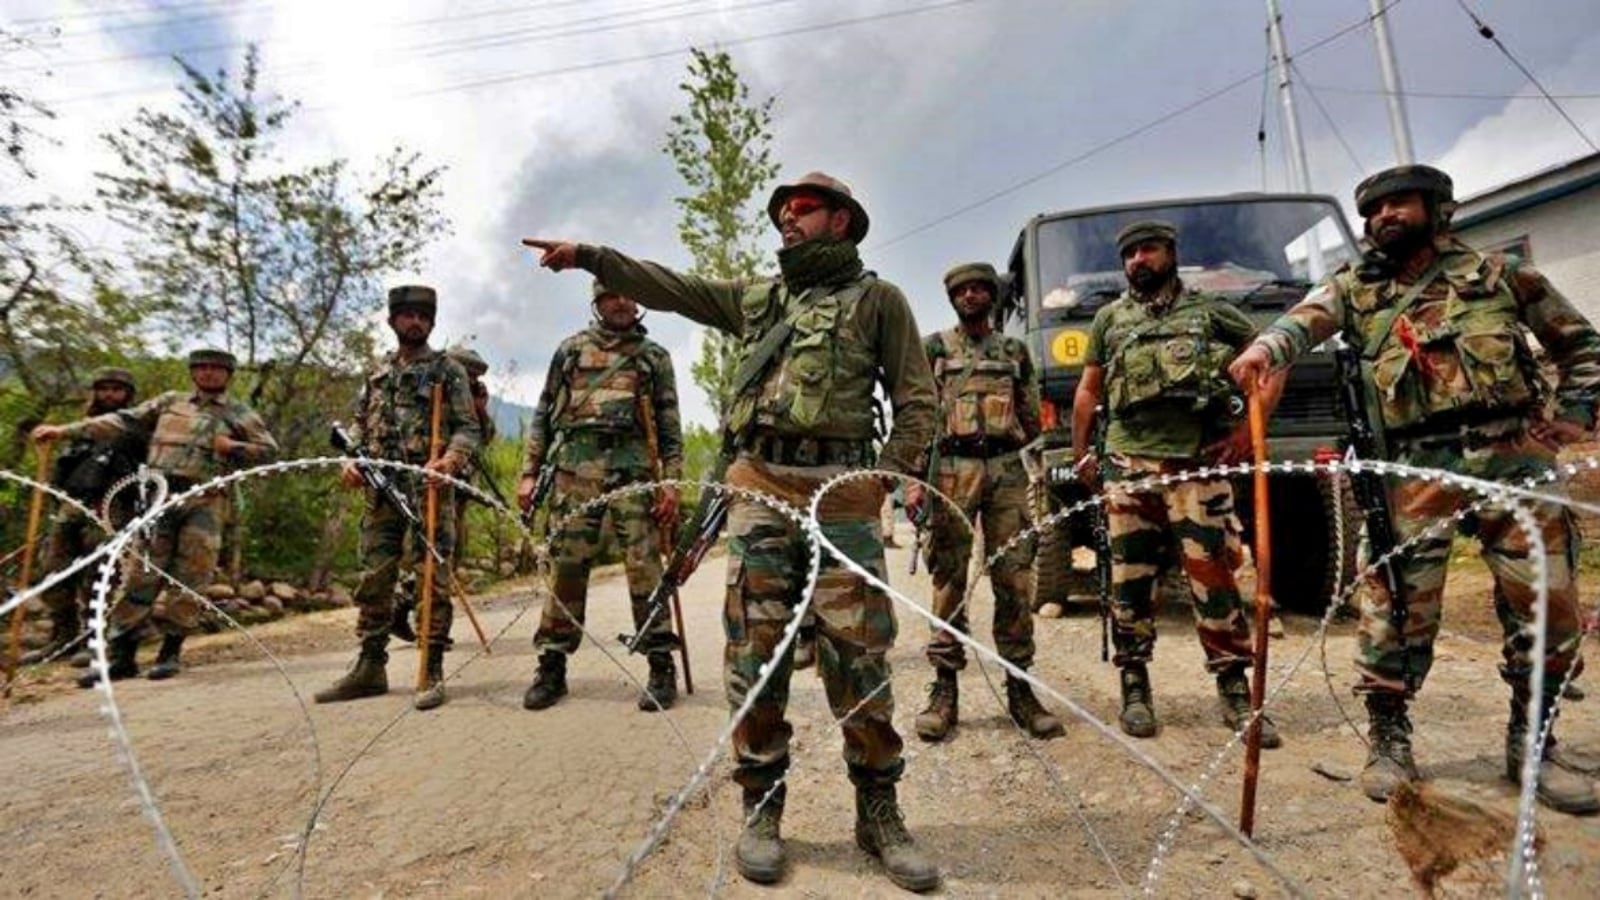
(1386,319)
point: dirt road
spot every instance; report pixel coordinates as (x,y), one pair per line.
(482,798)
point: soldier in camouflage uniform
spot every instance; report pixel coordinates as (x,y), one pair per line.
(590,403)
(1444,358)
(394,421)
(406,586)
(195,436)
(1157,358)
(814,342)
(989,408)
(85,469)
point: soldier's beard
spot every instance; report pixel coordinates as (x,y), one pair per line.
(1147,281)
(1401,239)
(97,408)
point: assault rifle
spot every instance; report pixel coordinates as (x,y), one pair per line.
(1366,442)
(375,478)
(547,480)
(686,558)
(1101,527)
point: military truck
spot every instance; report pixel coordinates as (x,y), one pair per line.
(1261,252)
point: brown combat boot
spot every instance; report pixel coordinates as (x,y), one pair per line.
(63,631)
(881,831)
(433,696)
(549,683)
(1027,711)
(937,721)
(1233,689)
(1138,717)
(367,678)
(1560,790)
(760,855)
(121,653)
(1389,760)
(661,691)
(167,662)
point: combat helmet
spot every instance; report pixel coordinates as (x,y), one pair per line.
(830,187)
(114,375)
(1135,233)
(210,356)
(1436,188)
(966,273)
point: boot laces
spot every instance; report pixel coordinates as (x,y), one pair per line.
(884,813)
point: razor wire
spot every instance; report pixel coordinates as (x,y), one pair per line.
(1524,858)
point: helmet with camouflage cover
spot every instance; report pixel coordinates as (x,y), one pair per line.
(835,191)
(471,361)
(1436,188)
(413,296)
(113,375)
(210,356)
(1135,233)
(970,272)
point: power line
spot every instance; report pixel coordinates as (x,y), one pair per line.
(1489,35)
(1328,117)
(1125,136)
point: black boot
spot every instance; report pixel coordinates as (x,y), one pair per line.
(1389,760)
(1027,711)
(661,691)
(549,683)
(1233,689)
(167,664)
(121,653)
(1561,790)
(432,696)
(1138,716)
(63,631)
(759,854)
(944,699)
(400,620)
(881,831)
(367,678)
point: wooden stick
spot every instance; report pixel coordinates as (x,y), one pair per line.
(430,519)
(668,532)
(1258,672)
(35,514)
(461,594)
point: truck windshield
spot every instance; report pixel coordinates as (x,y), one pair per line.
(1260,252)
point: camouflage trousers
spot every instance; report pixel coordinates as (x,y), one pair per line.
(1390,661)
(72,534)
(383,554)
(1196,519)
(995,493)
(185,543)
(635,531)
(767,565)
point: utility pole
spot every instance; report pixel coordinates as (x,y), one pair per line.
(1399,124)
(1299,169)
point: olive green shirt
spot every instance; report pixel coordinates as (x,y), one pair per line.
(882,314)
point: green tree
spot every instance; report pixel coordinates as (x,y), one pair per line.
(282,264)
(721,146)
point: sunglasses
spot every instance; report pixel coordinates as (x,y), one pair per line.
(802,205)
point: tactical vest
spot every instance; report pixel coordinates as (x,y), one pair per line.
(1460,356)
(821,383)
(87,468)
(602,386)
(977,396)
(181,444)
(1176,358)
(398,409)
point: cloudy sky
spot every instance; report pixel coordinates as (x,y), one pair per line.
(955,120)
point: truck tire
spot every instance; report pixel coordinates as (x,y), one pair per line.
(1052,568)
(1306,549)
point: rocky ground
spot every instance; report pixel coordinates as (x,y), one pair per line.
(482,798)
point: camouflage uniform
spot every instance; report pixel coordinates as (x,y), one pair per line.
(597,379)
(814,342)
(1451,384)
(1166,396)
(185,542)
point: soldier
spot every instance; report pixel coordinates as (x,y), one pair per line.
(1157,356)
(195,436)
(85,469)
(405,594)
(989,408)
(591,401)
(1441,332)
(814,343)
(394,421)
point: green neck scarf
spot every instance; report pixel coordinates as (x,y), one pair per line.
(819,261)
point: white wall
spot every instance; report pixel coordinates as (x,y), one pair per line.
(1564,236)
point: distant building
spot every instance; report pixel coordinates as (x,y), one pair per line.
(1550,218)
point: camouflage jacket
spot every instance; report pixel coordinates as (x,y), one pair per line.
(849,347)
(1459,349)
(597,380)
(987,387)
(1165,364)
(182,427)
(394,409)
